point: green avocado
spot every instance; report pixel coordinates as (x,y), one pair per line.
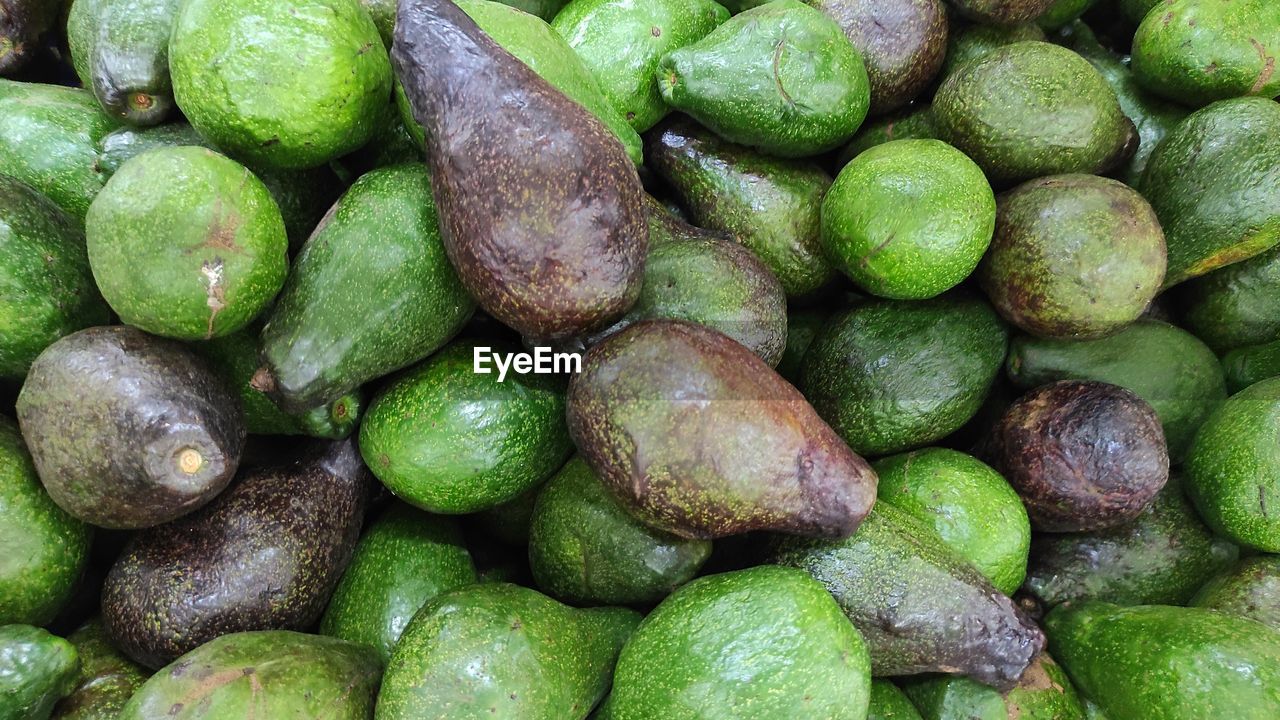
(1159,662)
(621,43)
(1043,693)
(1248,365)
(106,681)
(889,703)
(508,522)
(120,49)
(502,652)
(686,660)
(915,123)
(405,558)
(909,219)
(970,42)
(1215,185)
(186,243)
(781,77)
(585,547)
(1064,12)
(36,670)
(48,290)
(1233,468)
(891,376)
(1032,109)
(1235,306)
(330,77)
(46,549)
(1250,589)
(802,327)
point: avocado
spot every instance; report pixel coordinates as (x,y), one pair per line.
(186,243)
(889,703)
(1002,12)
(1233,469)
(1248,365)
(545,9)
(902,43)
(584,547)
(1236,305)
(803,325)
(921,607)
(974,510)
(969,42)
(686,658)
(370,292)
(1250,589)
(106,681)
(121,48)
(714,446)
(48,138)
(268,674)
(46,549)
(36,670)
(128,430)
(891,376)
(405,558)
(538,659)
(621,43)
(1159,662)
(1064,12)
(1163,364)
(1135,10)
(771,206)
(908,219)
(1032,109)
(1073,257)
(49,290)
(1161,557)
(508,522)
(1215,184)
(782,78)
(1043,693)
(915,123)
(330,77)
(22,23)
(281,535)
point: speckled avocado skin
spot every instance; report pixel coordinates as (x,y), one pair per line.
(106,681)
(36,669)
(751,456)
(1002,12)
(1236,305)
(888,703)
(1043,693)
(970,42)
(121,51)
(1250,589)
(915,123)
(1248,365)
(1159,662)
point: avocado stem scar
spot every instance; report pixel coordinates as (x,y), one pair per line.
(190,460)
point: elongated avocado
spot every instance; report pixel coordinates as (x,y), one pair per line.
(121,49)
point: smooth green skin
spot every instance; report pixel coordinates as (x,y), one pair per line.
(1233,468)
(585,548)
(1043,693)
(909,219)
(267,674)
(1197,51)
(372,291)
(186,243)
(1032,109)
(1062,12)
(44,550)
(1215,184)
(447,439)
(889,703)
(621,42)
(1159,662)
(1251,589)
(120,50)
(912,124)
(533,42)
(46,287)
(1159,558)
(770,205)
(48,138)
(502,652)
(36,669)
(974,41)
(1248,365)
(1163,364)
(802,327)
(1073,257)
(972,508)
(889,376)
(403,560)
(765,643)
(781,77)
(1236,306)
(106,681)
(284,83)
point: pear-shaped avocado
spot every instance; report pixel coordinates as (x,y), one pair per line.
(699,437)
(36,669)
(1250,589)
(106,681)
(542,211)
(1043,693)
(122,46)
(22,22)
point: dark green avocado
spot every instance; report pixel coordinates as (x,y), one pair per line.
(121,50)
(1250,589)
(1247,365)
(1235,306)
(36,670)
(106,681)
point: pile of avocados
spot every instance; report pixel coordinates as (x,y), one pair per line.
(639,360)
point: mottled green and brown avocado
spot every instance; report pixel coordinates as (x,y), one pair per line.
(1043,693)
(106,681)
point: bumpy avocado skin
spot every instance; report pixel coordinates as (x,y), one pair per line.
(1159,662)
(404,559)
(914,123)
(1032,109)
(129,430)
(770,205)
(360,303)
(1002,12)
(1043,693)
(543,660)
(121,48)
(270,674)
(1233,468)
(49,288)
(22,22)
(106,681)
(890,376)
(584,547)
(970,42)
(1248,365)
(621,43)
(36,669)
(889,703)
(1236,305)
(921,607)
(1215,184)
(1251,589)
(751,456)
